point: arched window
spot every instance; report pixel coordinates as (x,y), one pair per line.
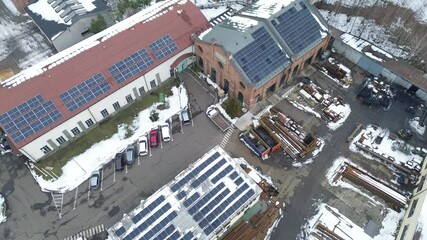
(200,48)
(226,86)
(213,74)
(240,97)
(242,85)
(220,65)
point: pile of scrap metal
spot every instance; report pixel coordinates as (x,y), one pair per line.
(334,109)
(296,142)
(376,93)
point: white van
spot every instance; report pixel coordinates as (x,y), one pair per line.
(164,128)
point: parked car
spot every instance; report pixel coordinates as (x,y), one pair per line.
(164,128)
(143,145)
(185,117)
(119,161)
(95,180)
(154,138)
(130,154)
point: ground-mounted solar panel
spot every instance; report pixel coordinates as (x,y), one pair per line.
(298,28)
(261,57)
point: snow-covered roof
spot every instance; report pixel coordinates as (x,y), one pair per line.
(143,16)
(199,202)
(265,8)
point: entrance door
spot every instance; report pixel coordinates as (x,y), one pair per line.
(411,90)
(226,86)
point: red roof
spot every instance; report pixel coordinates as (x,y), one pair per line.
(184,20)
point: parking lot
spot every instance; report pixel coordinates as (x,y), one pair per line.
(85,209)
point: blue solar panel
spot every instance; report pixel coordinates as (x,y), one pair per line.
(120,231)
(163,47)
(157,228)
(207,174)
(208,196)
(209,228)
(298,28)
(148,209)
(222,174)
(131,66)
(84,92)
(29,118)
(195,171)
(261,57)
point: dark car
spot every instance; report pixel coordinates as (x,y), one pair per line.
(130,154)
(154,138)
(95,180)
(119,161)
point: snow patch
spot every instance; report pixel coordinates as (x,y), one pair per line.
(415,124)
(80,167)
(344,111)
(2,209)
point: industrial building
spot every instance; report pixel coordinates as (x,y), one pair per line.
(55,101)
(260,48)
(202,202)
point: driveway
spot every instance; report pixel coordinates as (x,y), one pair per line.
(32,214)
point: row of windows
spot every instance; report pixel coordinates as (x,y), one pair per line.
(75,131)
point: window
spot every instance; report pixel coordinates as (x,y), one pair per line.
(129,98)
(200,48)
(153,83)
(45,149)
(116,106)
(258,98)
(104,113)
(405,229)
(89,122)
(61,140)
(242,85)
(75,131)
(141,91)
(420,186)
(220,65)
(413,206)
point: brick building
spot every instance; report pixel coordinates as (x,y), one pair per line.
(261,47)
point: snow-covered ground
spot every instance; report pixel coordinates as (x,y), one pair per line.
(212,9)
(2,209)
(367,137)
(343,111)
(79,168)
(21,38)
(366,29)
(415,124)
(418,6)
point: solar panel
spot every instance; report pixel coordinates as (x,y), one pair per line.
(163,47)
(148,209)
(208,196)
(84,92)
(120,231)
(209,228)
(298,28)
(29,118)
(261,57)
(193,173)
(131,66)
(222,174)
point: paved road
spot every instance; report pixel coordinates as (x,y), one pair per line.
(32,214)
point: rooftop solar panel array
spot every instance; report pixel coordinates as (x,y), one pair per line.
(261,57)
(216,193)
(29,118)
(298,28)
(163,47)
(194,172)
(85,92)
(131,66)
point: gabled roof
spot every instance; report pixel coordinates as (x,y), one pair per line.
(54,16)
(289,28)
(34,105)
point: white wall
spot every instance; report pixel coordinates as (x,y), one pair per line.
(32,149)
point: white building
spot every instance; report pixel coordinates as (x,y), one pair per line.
(54,101)
(202,202)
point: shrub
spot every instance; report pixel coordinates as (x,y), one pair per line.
(232,107)
(98,24)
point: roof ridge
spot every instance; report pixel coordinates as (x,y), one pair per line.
(145,15)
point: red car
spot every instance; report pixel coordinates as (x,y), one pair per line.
(154,138)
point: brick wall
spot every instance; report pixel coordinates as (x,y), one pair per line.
(214,57)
